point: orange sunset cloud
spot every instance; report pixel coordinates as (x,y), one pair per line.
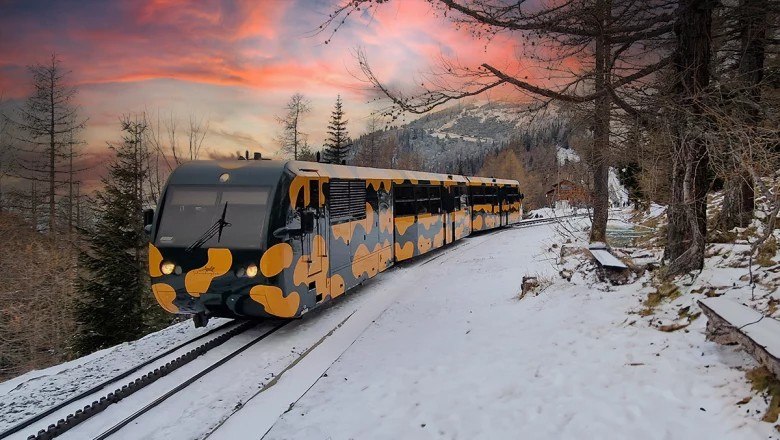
(234,63)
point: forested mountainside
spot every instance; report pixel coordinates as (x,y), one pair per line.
(458,139)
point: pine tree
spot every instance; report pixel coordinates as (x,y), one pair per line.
(338,144)
(114,282)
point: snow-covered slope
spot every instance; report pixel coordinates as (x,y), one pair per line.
(443,347)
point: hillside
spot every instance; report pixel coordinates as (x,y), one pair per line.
(457,139)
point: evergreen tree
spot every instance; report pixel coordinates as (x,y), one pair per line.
(113,284)
(338,144)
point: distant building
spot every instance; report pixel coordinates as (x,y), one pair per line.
(568,193)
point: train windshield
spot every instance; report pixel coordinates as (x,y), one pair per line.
(208,216)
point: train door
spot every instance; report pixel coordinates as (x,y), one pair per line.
(404,222)
(318,237)
(452,206)
(503,207)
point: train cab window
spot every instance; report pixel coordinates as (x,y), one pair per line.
(189,211)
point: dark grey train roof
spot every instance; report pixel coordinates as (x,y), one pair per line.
(268,172)
(241,172)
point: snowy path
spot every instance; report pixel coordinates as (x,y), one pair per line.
(459,357)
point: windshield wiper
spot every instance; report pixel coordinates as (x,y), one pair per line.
(214,229)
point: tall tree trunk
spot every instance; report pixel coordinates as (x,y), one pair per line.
(739,200)
(601,116)
(70,188)
(52,153)
(687,212)
(34,206)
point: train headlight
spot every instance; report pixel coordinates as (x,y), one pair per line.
(167,267)
(251,271)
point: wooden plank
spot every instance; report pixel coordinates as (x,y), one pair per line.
(729,322)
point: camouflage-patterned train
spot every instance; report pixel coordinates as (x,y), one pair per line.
(261,238)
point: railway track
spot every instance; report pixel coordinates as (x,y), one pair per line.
(544,221)
(106,383)
(114,429)
(138,382)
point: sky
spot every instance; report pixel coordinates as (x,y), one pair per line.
(231,63)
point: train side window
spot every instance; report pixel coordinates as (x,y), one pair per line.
(314,190)
(478,195)
(491,195)
(451,199)
(404,200)
(454,199)
(421,195)
(434,197)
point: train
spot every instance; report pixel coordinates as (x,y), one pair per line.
(254,239)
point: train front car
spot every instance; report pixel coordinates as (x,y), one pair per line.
(217,242)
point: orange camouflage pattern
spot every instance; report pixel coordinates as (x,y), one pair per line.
(298,274)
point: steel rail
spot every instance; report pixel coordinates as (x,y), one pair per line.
(97,406)
(113,430)
(27,422)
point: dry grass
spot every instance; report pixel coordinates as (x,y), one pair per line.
(666,291)
(36,297)
(763,381)
(766,252)
(535,285)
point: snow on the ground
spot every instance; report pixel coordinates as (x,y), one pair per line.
(443,347)
(36,391)
(462,357)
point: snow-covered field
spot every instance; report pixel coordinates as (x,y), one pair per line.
(444,348)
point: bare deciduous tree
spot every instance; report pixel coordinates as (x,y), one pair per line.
(291,140)
(368,153)
(47,124)
(6,154)
(165,150)
(608,38)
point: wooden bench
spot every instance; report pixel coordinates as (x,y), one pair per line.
(729,322)
(604,257)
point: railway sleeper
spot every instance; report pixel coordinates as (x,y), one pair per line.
(97,406)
